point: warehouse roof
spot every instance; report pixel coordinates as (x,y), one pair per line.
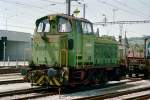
(15,36)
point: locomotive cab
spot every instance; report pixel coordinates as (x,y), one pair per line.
(60,40)
(50,41)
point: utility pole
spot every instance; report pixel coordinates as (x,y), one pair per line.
(68,7)
(126,49)
(104,20)
(4,54)
(120,35)
(84,10)
(4,41)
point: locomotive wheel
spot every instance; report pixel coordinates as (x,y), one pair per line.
(117,74)
(130,73)
(146,76)
(136,75)
(104,77)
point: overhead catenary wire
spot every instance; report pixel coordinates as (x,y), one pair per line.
(62,3)
(128,7)
(27,5)
(11,11)
(35,6)
(18,18)
(128,31)
(54,2)
(20,21)
(40,7)
(121,9)
(25,27)
(143,3)
(22,13)
(122,22)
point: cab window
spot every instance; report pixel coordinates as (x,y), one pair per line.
(44,26)
(40,27)
(64,25)
(86,28)
(78,26)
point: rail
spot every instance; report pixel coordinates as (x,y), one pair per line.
(141,97)
(44,91)
(112,95)
(13,63)
(23,91)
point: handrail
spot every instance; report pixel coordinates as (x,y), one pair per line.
(77,58)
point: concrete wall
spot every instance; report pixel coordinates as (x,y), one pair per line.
(18,50)
(18,45)
(15,36)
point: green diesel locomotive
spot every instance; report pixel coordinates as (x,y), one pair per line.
(66,52)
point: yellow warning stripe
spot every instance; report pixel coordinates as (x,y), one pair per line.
(46,77)
(41,78)
(50,82)
(56,81)
(66,77)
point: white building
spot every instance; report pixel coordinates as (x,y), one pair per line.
(18,45)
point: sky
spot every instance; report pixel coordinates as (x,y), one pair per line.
(20,15)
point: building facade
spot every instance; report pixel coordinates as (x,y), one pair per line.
(14,45)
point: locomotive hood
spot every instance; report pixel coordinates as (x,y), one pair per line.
(49,51)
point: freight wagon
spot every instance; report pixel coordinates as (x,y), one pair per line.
(139,62)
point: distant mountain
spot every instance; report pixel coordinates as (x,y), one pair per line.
(136,40)
(136,43)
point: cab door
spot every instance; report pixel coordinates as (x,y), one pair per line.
(79,43)
(88,43)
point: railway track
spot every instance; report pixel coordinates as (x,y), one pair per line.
(23,91)
(11,78)
(100,86)
(43,92)
(116,94)
(11,81)
(142,97)
(38,95)
(9,70)
(81,89)
(78,90)
(26,94)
